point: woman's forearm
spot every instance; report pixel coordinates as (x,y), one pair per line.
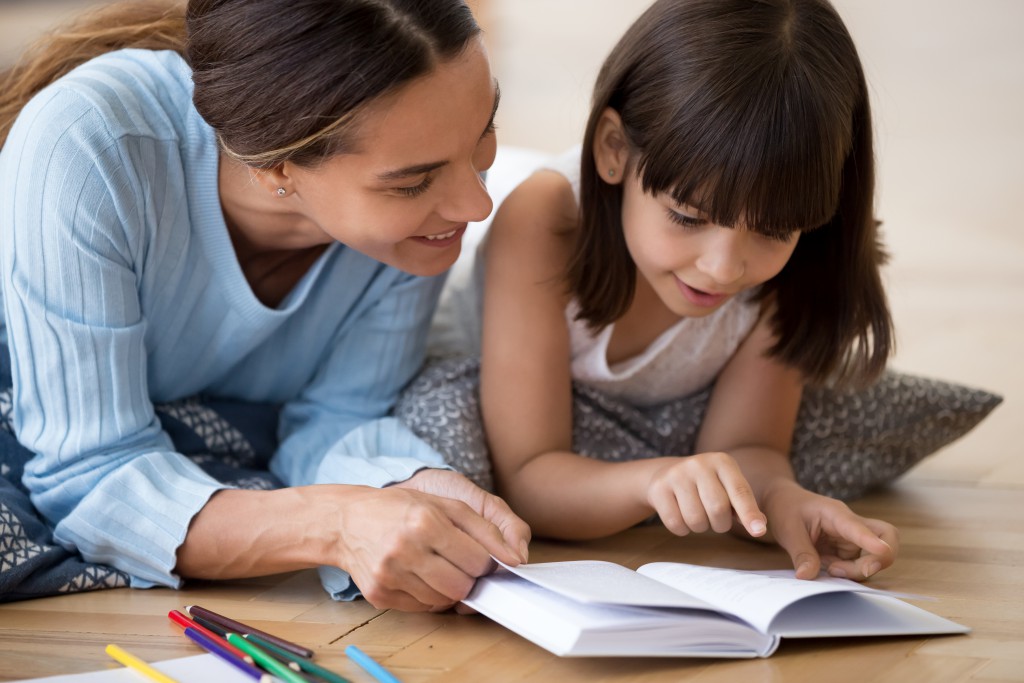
(243,533)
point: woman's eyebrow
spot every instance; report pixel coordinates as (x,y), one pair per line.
(420,169)
(409,171)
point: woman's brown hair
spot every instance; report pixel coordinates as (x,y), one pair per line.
(278,80)
(755,111)
(145,25)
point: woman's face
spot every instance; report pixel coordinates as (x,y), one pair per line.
(406,193)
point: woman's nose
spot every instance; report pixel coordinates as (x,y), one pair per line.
(470,202)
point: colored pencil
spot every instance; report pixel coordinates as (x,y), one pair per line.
(132,662)
(298,662)
(216,628)
(184,622)
(221,631)
(370,665)
(215,648)
(266,660)
(233,626)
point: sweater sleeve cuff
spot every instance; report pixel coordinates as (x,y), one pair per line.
(369,456)
(138,517)
(338,584)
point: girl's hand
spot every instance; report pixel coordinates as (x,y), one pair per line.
(816,530)
(701,491)
(420,545)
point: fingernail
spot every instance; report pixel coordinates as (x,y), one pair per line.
(837,572)
(524,551)
(872,569)
(804,568)
(757,527)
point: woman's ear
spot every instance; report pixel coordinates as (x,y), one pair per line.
(276,180)
(611,148)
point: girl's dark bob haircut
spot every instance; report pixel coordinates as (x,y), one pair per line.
(756,112)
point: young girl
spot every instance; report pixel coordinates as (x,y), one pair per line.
(717,226)
(253,203)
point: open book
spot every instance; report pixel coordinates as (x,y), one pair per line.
(668,609)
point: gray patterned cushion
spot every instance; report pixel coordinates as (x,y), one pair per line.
(845,442)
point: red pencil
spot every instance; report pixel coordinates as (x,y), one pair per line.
(184,622)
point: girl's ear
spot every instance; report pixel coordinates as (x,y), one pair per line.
(611,148)
(276,180)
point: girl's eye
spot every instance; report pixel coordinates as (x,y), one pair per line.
(779,237)
(416,190)
(684,220)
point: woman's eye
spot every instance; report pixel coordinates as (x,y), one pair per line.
(685,220)
(416,190)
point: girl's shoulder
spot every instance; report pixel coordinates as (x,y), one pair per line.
(546,203)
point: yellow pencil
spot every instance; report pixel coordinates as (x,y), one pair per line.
(133,662)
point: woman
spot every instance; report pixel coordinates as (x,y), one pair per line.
(258,202)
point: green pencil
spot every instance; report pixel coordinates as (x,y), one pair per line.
(264,659)
(301,662)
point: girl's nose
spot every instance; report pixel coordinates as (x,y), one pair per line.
(724,259)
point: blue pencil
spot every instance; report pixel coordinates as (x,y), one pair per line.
(215,648)
(370,665)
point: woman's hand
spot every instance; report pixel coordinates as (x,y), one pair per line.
(514,531)
(816,530)
(702,491)
(421,544)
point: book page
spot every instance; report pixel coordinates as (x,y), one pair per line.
(592,581)
(567,627)
(754,597)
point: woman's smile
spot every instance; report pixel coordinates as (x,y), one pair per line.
(442,239)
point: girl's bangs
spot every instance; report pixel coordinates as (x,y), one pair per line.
(770,166)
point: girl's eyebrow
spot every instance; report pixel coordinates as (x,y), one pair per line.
(420,169)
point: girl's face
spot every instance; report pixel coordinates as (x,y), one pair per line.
(405,195)
(694,266)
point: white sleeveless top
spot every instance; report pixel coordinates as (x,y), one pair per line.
(684,359)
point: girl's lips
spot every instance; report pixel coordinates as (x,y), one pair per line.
(442,240)
(700,298)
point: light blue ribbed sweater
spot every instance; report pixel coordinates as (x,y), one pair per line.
(120,288)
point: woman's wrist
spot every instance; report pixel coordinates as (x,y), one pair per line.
(243,533)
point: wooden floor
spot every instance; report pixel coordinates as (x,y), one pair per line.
(959,545)
(948,88)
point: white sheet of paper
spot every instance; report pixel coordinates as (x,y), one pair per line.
(197,669)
